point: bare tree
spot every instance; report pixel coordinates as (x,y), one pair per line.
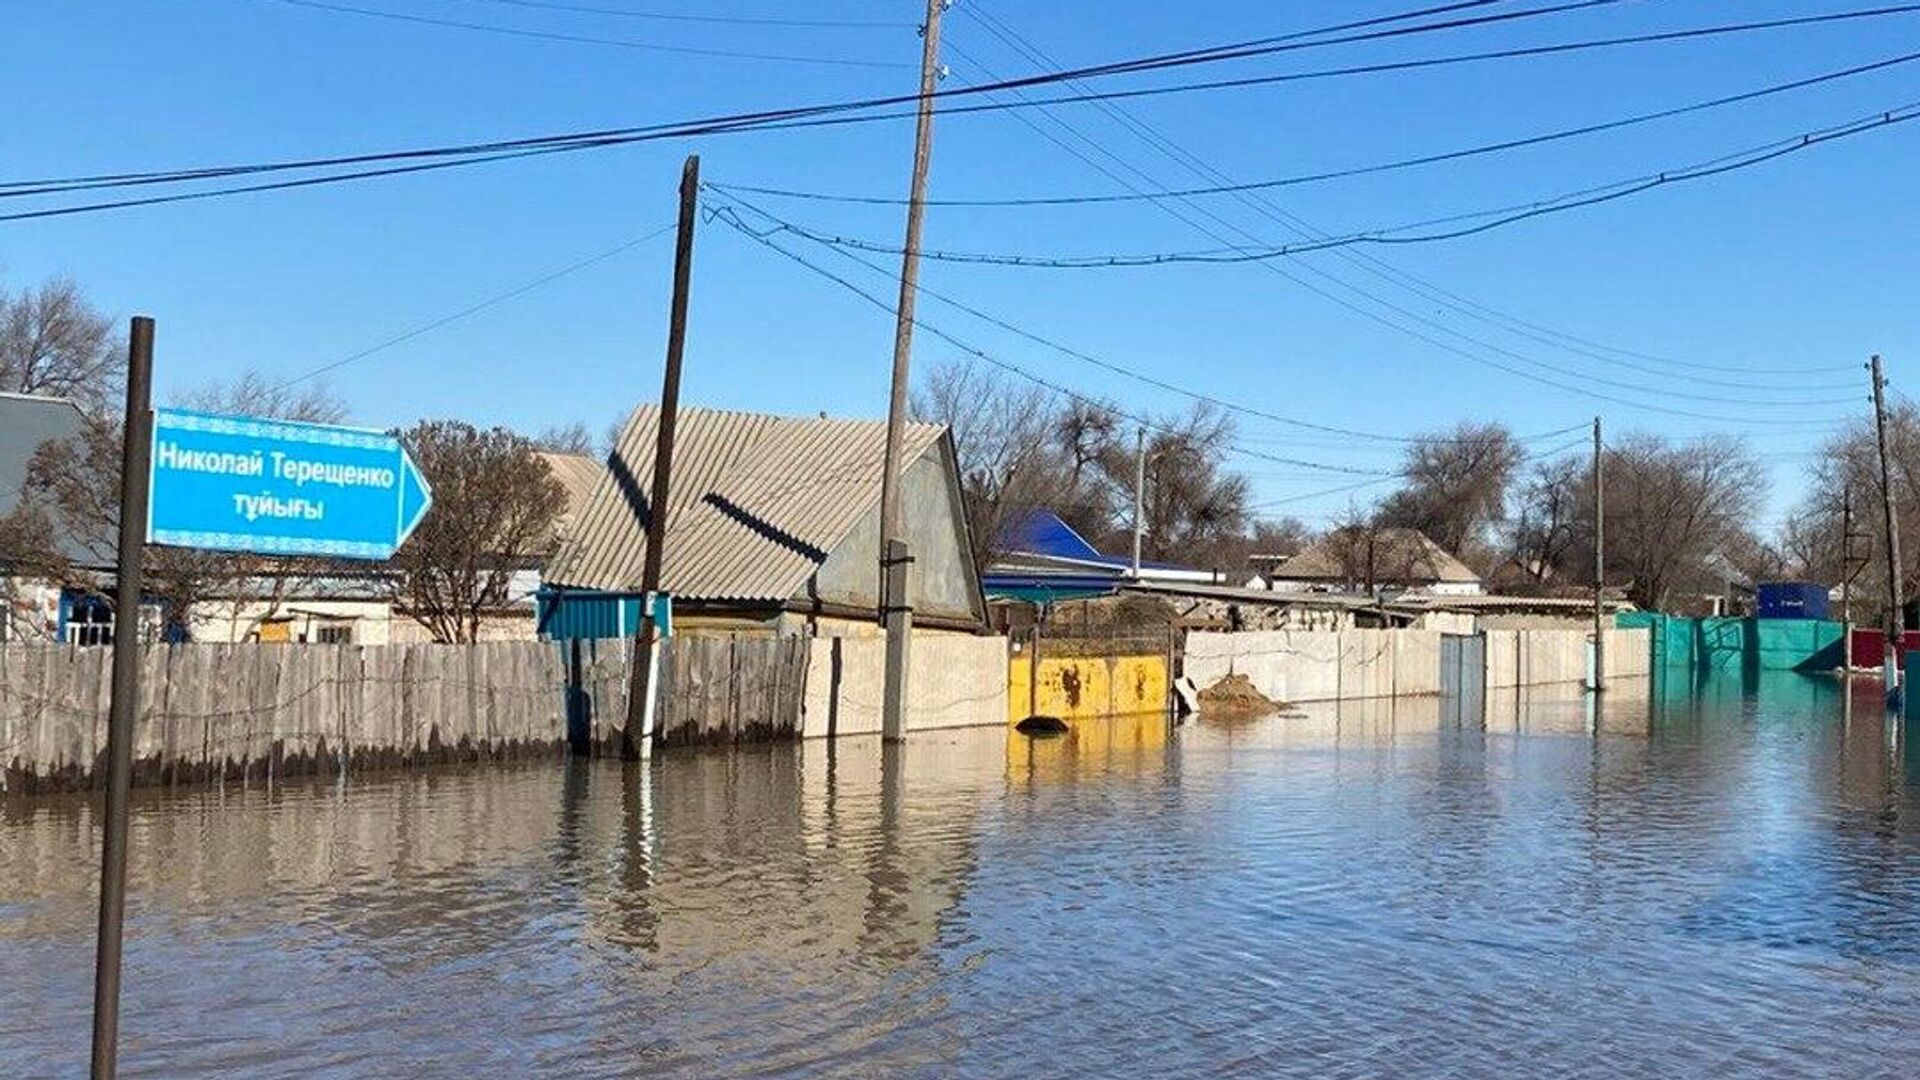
(574,438)
(495,503)
(1195,511)
(253,394)
(53,342)
(1456,485)
(1674,511)
(1009,465)
(1550,519)
(66,528)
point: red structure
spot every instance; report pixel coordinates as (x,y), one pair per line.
(1870,646)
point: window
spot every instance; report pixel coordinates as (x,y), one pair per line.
(333,634)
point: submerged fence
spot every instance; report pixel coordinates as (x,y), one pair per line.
(1326,665)
(247,712)
(1733,644)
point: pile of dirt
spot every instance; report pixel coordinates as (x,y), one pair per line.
(1235,694)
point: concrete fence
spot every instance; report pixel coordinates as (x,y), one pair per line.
(957,681)
(1344,665)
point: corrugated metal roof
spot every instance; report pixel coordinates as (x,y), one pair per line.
(579,474)
(758,502)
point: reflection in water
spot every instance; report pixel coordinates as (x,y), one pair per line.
(1725,880)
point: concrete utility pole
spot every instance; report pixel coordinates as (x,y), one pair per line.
(896,560)
(1139,494)
(1846,555)
(638,733)
(1895,587)
(136,453)
(1599,563)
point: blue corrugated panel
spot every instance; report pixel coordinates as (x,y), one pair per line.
(1791,600)
(567,614)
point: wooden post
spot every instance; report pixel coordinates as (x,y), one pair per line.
(896,605)
(1895,620)
(636,739)
(136,452)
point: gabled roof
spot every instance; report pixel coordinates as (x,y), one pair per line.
(1399,556)
(1042,532)
(1039,540)
(756,505)
(27,422)
(579,474)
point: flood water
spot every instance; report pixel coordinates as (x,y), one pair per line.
(1726,885)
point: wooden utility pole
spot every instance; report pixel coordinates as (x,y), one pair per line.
(1895,589)
(1599,563)
(896,559)
(636,738)
(136,453)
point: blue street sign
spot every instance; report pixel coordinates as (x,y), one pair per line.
(279,487)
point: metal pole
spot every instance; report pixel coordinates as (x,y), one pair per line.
(1033,663)
(1599,563)
(136,451)
(1895,619)
(635,739)
(896,608)
(1139,494)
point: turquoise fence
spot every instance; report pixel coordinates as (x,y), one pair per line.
(1740,645)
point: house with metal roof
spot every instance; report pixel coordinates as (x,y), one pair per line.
(1375,560)
(1044,559)
(773,525)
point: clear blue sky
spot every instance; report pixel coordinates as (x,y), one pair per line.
(1809,260)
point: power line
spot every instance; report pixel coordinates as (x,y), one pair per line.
(1259,203)
(1014,369)
(1392,234)
(1266,207)
(837,244)
(474,309)
(725,213)
(583,39)
(725,20)
(827,114)
(1334,174)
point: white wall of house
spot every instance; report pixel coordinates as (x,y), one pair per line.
(29,609)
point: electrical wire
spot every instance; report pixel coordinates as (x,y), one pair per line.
(474,309)
(725,212)
(1263,205)
(834,243)
(828,114)
(1014,369)
(725,20)
(584,39)
(1028,201)
(1392,234)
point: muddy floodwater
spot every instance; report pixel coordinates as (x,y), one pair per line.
(1720,883)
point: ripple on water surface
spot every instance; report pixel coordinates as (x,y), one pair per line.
(1725,884)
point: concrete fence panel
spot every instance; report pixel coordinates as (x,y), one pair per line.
(957,681)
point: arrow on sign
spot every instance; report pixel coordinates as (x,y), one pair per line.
(281,487)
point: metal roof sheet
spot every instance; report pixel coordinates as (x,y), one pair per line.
(578,474)
(757,504)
